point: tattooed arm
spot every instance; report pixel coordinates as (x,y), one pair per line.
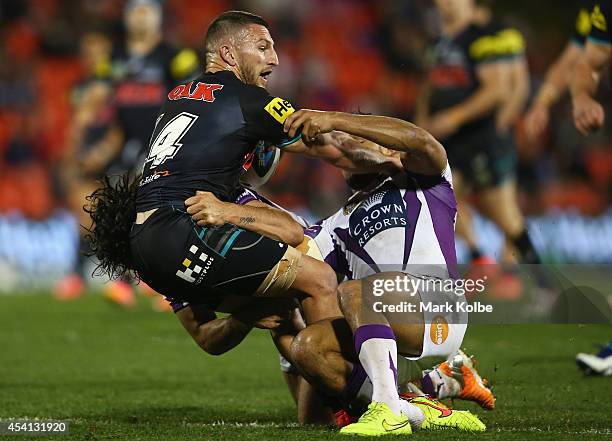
(206,209)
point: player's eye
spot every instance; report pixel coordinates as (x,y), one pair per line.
(262,48)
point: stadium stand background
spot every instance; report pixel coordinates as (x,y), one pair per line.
(335,54)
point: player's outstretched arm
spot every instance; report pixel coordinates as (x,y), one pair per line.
(217,336)
(556,82)
(421,153)
(206,210)
(588,113)
(214,335)
(485,99)
(516,94)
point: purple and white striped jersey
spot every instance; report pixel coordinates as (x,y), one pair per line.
(407,224)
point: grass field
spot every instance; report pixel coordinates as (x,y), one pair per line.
(135,375)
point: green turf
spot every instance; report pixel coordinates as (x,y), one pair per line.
(135,374)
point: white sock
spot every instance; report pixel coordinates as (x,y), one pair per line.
(442,386)
(378,356)
(413,413)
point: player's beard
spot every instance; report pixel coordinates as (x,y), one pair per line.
(250,75)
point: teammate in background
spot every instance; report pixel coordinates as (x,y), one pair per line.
(559,74)
(588,113)
(459,107)
(143,70)
(91,117)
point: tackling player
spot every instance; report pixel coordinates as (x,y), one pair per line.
(390,228)
(588,113)
(204,130)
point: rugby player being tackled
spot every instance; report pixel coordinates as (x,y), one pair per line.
(414,239)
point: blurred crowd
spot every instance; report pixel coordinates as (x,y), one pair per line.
(351,55)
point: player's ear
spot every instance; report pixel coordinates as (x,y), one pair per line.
(228,55)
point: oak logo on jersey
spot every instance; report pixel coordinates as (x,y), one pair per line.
(204,261)
(280,109)
(202,92)
(438,330)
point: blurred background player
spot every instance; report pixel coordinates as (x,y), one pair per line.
(589,115)
(559,74)
(143,68)
(91,117)
(596,364)
(467,84)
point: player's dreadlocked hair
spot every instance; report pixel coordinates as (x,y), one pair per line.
(112,208)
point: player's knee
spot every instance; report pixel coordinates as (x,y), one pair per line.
(305,345)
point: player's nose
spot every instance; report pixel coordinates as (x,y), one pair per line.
(273,58)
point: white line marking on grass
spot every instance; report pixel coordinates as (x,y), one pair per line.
(255,424)
(551,430)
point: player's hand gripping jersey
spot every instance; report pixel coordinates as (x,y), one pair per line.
(205,130)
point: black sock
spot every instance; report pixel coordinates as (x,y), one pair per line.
(475,253)
(528,253)
(82,257)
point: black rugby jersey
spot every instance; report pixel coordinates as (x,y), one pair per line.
(141,84)
(203,133)
(453,63)
(601,23)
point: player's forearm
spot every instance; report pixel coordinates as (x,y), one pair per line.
(422,104)
(356,156)
(221,335)
(518,94)
(392,133)
(108,148)
(558,76)
(421,152)
(485,100)
(585,80)
(270,222)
